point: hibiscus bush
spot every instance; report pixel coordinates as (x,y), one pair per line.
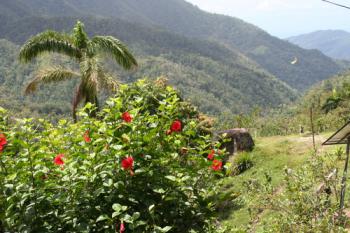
(140,166)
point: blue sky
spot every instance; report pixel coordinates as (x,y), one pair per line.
(283,18)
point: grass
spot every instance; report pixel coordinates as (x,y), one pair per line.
(272,156)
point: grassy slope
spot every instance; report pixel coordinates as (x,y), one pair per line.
(271,155)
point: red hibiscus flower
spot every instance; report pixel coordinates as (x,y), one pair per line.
(86,136)
(58,160)
(211,155)
(128,164)
(3,142)
(122,228)
(217,165)
(127,117)
(176,126)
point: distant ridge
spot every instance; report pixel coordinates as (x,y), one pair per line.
(333,43)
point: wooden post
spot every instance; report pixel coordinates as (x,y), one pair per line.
(312,128)
(343,182)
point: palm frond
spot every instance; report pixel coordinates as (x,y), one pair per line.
(48,41)
(79,35)
(106,81)
(111,45)
(48,76)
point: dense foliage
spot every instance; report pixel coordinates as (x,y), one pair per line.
(141,166)
(330,100)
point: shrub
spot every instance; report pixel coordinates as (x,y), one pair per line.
(241,162)
(142,165)
(307,201)
(339,153)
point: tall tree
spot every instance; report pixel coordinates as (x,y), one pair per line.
(85,51)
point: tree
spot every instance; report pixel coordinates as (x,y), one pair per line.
(85,51)
(334,101)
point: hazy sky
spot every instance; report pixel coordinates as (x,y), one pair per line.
(283,18)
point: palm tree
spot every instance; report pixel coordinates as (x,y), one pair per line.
(83,50)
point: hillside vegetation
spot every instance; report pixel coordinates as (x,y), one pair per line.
(215,78)
(222,64)
(329,101)
(177,16)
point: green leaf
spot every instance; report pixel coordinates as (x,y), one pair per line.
(172,178)
(150,208)
(136,216)
(118,209)
(164,229)
(161,191)
(102,218)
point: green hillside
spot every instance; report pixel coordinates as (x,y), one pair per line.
(178,16)
(201,70)
(330,104)
(220,63)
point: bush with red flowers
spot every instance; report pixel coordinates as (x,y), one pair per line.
(124,174)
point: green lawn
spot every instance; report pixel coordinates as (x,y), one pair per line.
(271,155)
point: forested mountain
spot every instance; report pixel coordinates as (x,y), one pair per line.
(333,43)
(220,63)
(271,53)
(217,82)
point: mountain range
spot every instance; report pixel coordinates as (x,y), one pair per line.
(333,43)
(220,63)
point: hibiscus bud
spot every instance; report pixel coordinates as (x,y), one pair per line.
(122,228)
